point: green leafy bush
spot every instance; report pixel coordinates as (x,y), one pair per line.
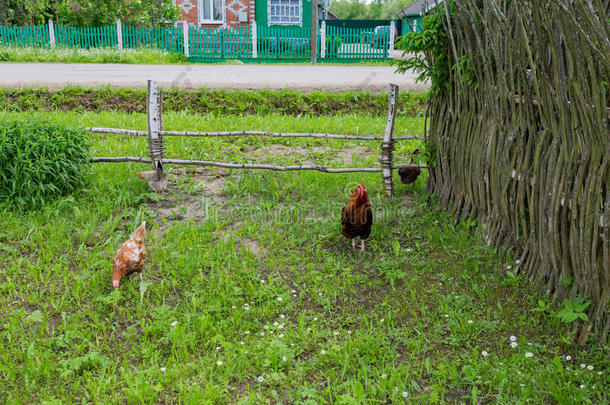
(40,160)
(430,52)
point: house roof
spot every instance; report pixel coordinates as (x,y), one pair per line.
(420,7)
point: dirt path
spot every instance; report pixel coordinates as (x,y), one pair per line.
(250,76)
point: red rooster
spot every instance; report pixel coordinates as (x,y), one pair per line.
(357,217)
(130,257)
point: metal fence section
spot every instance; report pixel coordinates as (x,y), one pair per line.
(169,39)
(87,37)
(34,36)
(246,42)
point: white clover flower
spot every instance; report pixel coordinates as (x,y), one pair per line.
(279,299)
(349,332)
(174,323)
(582,386)
(219,363)
(599,373)
(247,308)
(335,333)
(484,353)
(262,333)
(246,332)
(529,344)
(275,324)
(513,338)
(589,367)
(323,352)
(529,354)
(241,343)
(281,326)
(308,329)
(381,320)
(320,294)
(260,378)
(262,281)
(282,316)
(405,394)
(513,344)
(440,283)
(233,306)
(281,335)
(217,347)
(315,318)
(284,358)
(271,332)
(162,369)
(517,261)
(384,376)
(266,327)
(408,250)
(294,291)
(446,315)
(583,365)
(470,321)
(568,357)
(522,385)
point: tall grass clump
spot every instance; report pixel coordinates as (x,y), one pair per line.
(40,160)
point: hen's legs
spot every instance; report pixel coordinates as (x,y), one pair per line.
(354,244)
(362,245)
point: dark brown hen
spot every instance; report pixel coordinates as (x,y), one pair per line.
(357,217)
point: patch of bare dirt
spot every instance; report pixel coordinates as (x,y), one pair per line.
(250,244)
(190,194)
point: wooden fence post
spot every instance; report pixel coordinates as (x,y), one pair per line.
(185,34)
(392,31)
(51,33)
(155,124)
(387,147)
(254,40)
(119,34)
(323,40)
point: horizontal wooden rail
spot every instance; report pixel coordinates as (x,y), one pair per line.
(119,131)
(246,165)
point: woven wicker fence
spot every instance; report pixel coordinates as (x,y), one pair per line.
(522,140)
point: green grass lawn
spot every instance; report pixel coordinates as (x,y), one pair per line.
(252,295)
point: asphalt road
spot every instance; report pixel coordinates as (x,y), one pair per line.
(246,76)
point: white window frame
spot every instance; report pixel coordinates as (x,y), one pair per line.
(200,13)
(300,23)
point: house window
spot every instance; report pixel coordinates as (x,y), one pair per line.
(285,12)
(211,11)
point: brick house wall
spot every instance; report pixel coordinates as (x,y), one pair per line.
(190,12)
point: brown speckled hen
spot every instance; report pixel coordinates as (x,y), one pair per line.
(130,257)
(357,217)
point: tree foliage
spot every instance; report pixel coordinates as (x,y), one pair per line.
(87,13)
(374,10)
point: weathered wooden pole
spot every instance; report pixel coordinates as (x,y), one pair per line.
(119,34)
(155,124)
(51,34)
(387,147)
(314,31)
